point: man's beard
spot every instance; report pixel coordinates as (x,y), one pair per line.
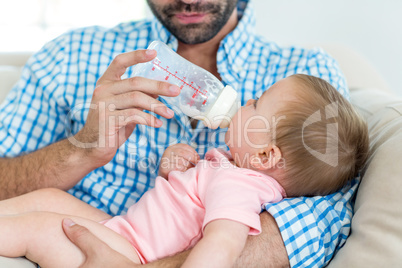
(194,33)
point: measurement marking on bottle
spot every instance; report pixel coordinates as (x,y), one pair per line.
(183,80)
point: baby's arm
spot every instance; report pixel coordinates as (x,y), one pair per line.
(39,237)
(221,245)
(177,157)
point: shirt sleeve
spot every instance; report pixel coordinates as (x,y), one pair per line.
(239,197)
(33,114)
(314,228)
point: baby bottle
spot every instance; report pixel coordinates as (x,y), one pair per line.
(202,95)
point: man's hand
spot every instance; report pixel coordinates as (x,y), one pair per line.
(118,105)
(177,157)
(97,253)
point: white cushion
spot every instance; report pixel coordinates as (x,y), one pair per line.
(376,236)
(8,77)
(11,64)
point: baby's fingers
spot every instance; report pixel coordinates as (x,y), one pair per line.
(189,156)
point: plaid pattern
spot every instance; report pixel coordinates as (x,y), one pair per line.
(51,102)
(314,228)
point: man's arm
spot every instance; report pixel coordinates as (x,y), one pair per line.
(116,108)
(60,165)
(265,250)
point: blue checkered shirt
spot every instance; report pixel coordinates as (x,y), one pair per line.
(51,101)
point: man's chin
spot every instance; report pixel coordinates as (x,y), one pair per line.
(193,34)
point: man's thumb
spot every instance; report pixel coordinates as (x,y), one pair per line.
(77,234)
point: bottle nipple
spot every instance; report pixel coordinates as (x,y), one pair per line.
(222,111)
(233,110)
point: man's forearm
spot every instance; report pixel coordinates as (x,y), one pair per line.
(263,250)
(60,165)
(266,249)
(175,261)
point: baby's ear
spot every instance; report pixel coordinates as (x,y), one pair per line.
(266,158)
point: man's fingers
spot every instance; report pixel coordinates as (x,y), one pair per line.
(140,101)
(97,253)
(148,86)
(122,61)
(80,236)
(133,116)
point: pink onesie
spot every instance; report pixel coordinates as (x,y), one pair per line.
(171,217)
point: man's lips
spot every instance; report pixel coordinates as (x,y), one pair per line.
(187,18)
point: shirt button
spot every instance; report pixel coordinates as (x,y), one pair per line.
(194,145)
(238,68)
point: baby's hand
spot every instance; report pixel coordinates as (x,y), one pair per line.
(177,157)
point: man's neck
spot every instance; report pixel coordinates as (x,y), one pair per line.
(204,54)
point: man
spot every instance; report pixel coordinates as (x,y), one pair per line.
(75,124)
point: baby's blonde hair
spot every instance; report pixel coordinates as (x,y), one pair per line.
(322,150)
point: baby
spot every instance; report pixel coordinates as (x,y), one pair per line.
(301,137)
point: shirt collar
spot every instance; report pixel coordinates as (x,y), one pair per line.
(235,49)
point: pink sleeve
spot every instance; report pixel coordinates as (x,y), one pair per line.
(238,196)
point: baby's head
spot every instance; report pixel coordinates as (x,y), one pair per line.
(303,133)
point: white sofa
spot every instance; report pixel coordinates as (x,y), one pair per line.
(376,238)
